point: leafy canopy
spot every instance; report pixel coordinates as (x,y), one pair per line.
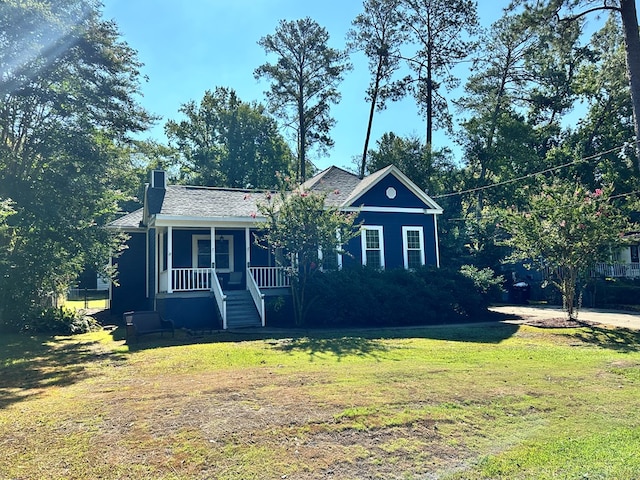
(565,231)
(67,97)
(226,142)
(304,81)
(307,233)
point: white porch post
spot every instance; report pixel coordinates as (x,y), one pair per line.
(156,267)
(169,259)
(212,233)
(213,247)
(247,242)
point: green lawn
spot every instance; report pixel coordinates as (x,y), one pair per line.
(460,402)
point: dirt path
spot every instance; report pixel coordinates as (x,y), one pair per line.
(613,318)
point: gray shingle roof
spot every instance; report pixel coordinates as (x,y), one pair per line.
(129,221)
(208,202)
(337,183)
(341,187)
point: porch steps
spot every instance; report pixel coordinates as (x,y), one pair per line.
(241,311)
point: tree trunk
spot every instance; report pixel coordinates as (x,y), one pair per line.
(632,43)
(374,99)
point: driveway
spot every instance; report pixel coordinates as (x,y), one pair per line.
(615,318)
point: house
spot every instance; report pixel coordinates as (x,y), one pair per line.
(191,253)
(625,263)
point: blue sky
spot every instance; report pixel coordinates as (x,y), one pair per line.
(192,46)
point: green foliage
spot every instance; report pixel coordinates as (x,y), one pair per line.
(565,231)
(378,32)
(66,99)
(304,82)
(225,142)
(298,225)
(484,280)
(442,32)
(368,297)
(59,321)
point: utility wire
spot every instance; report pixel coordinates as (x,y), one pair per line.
(529,175)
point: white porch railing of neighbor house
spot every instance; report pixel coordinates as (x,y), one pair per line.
(618,270)
(270,277)
(256,295)
(191,279)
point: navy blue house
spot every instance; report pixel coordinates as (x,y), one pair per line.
(191,253)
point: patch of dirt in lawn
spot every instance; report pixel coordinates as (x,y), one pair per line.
(554,322)
(255,409)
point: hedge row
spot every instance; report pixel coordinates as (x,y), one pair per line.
(364,297)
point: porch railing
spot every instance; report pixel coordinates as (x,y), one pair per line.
(191,279)
(221,299)
(256,295)
(270,277)
(618,270)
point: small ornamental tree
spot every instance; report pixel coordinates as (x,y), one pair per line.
(565,232)
(308,233)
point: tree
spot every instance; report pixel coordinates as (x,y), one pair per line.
(67,87)
(378,32)
(304,82)
(442,31)
(308,233)
(564,12)
(432,171)
(225,142)
(604,88)
(522,82)
(565,231)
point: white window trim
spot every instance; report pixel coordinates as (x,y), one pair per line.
(363,243)
(194,251)
(405,244)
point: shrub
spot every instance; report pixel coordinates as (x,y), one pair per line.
(485,281)
(59,321)
(365,297)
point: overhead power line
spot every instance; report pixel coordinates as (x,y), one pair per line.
(529,175)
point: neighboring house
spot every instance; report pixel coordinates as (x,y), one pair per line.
(625,263)
(171,264)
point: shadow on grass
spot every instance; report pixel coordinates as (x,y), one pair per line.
(339,342)
(338,346)
(618,339)
(30,364)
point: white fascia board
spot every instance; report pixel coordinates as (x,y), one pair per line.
(424,211)
(182,221)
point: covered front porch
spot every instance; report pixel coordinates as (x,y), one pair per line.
(187,260)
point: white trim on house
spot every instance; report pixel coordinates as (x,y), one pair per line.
(375,178)
(423,211)
(160,220)
(437,240)
(363,243)
(405,244)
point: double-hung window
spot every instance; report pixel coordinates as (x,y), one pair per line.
(372,246)
(413,247)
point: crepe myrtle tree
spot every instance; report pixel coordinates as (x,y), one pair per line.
(565,231)
(299,224)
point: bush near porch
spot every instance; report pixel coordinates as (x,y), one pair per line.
(366,297)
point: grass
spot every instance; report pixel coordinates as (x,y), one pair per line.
(460,402)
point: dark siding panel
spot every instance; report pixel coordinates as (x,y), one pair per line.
(194,312)
(377,196)
(151,241)
(130,294)
(392,224)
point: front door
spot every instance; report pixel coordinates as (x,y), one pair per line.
(224,252)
